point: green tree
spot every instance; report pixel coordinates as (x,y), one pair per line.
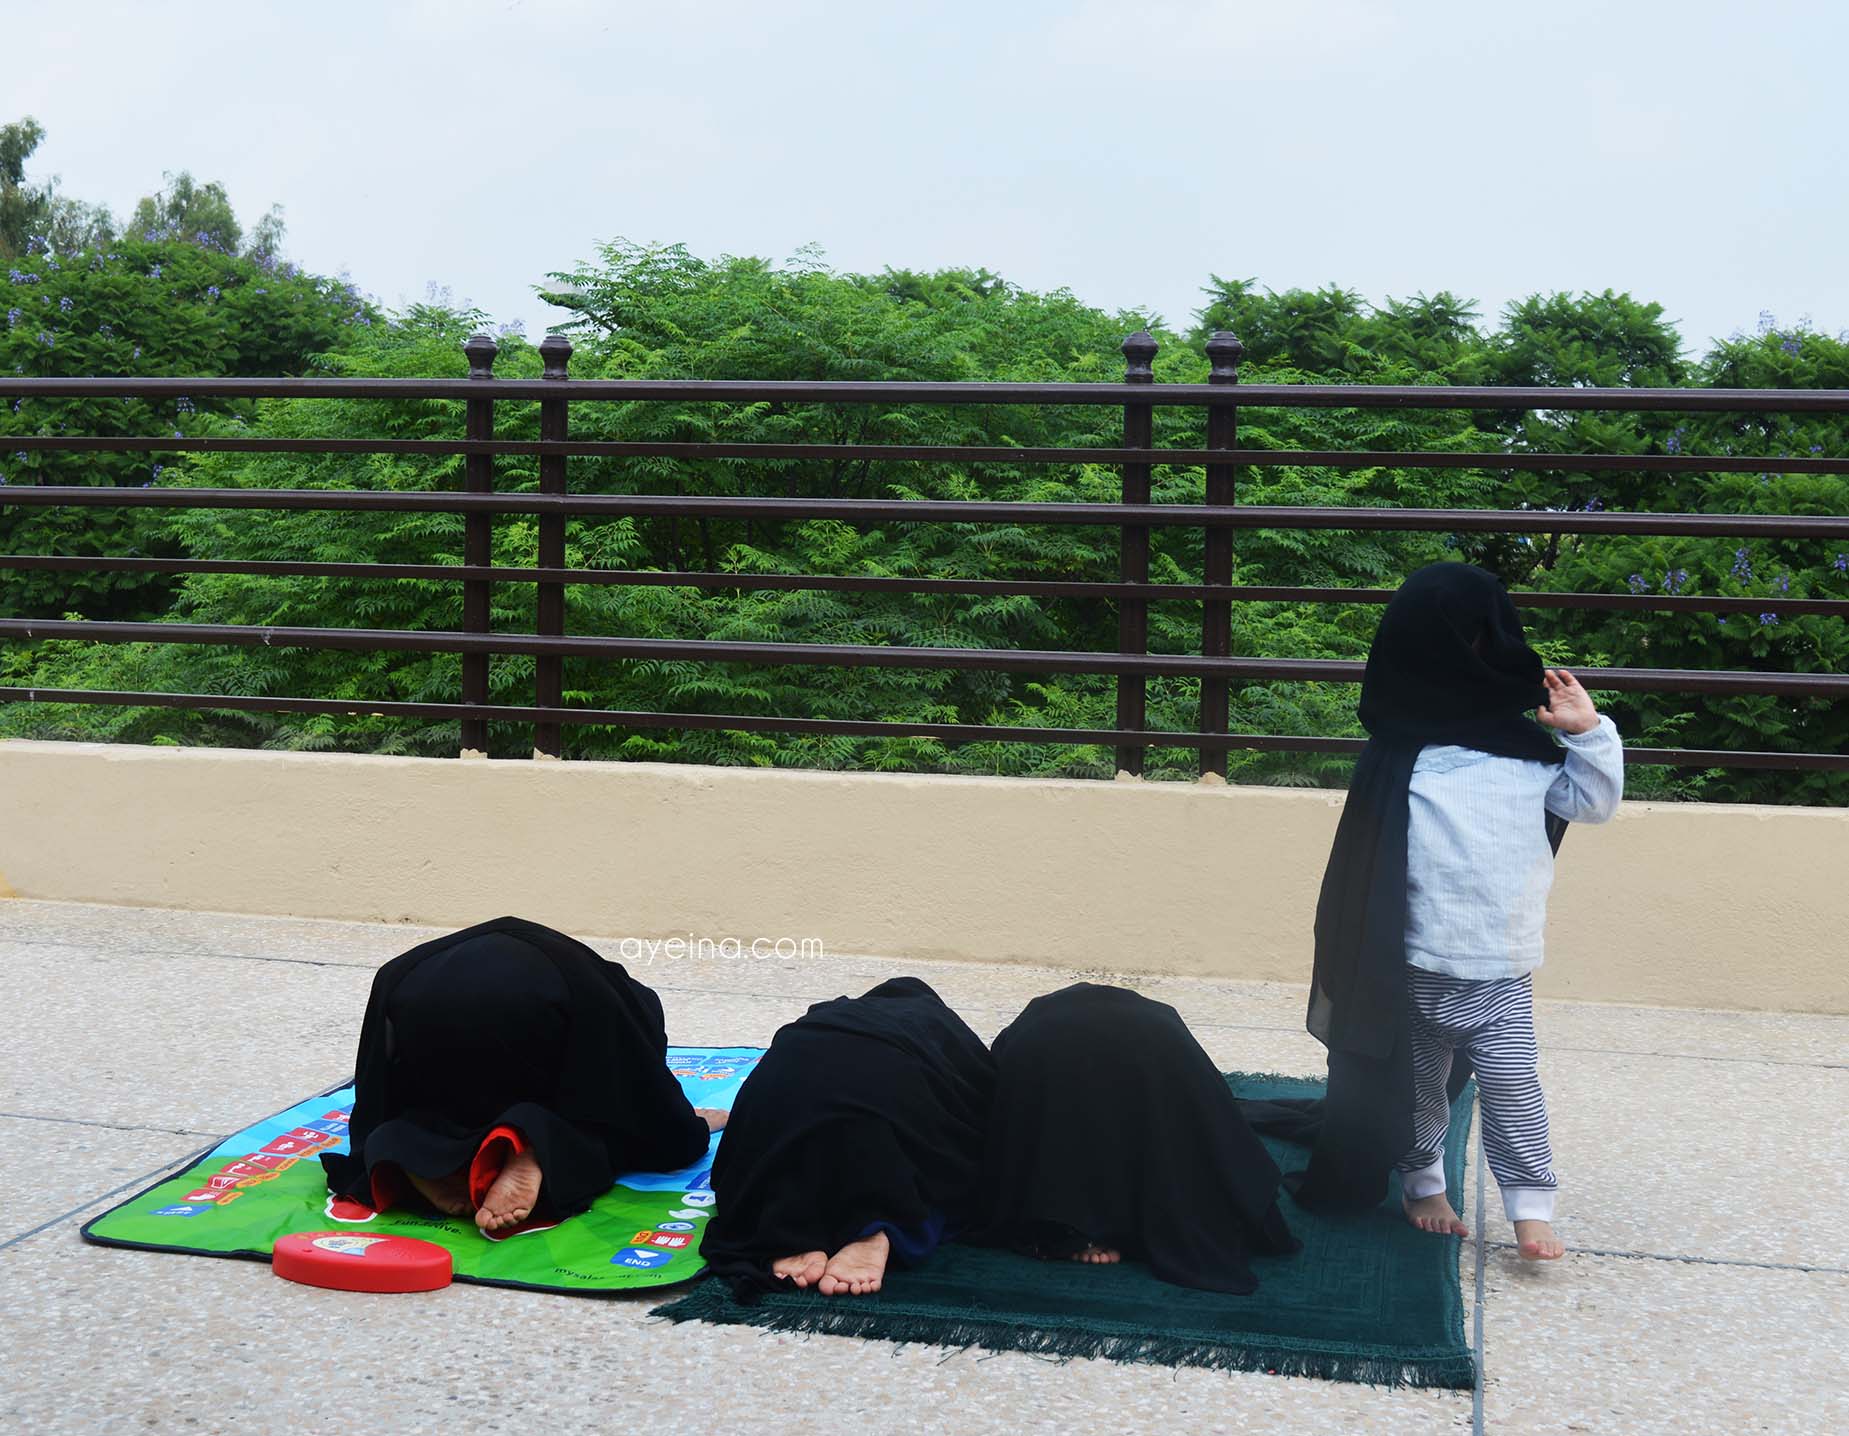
(136,306)
(23,209)
(186,209)
(662,312)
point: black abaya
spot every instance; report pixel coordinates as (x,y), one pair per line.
(865,1112)
(1449,665)
(1113,1128)
(509,1023)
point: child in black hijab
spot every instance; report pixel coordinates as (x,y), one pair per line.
(1429,924)
(1115,1136)
(855,1142)
(507,1072)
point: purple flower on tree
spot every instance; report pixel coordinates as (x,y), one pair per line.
(1768,620)
(1841,563)
(1638,583)
(1742,564)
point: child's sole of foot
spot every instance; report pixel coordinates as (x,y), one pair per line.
(449,1195)
(1535,1240)
(857,1269)
(805,1268)
(1434,1214)
(510,1200)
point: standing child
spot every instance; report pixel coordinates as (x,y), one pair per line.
(1430,923)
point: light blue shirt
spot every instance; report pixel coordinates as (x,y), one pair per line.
(1478,864)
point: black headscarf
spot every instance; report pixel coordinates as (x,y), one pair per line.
(864,1110)
(1449,665)
(1113,1127)
(509,1023)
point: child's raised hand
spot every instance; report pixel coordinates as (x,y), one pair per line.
(1569,707)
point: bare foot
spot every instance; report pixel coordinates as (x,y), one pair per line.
(510,1200)
(1434,1214)
(857,1268)
(805,1269)
(1097,1255)
(1536,1241)
(713,1117)
(449,1195)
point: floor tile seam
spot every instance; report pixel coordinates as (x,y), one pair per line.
(107,1126)
(1477,1307)
(132,1183)
(1741,1262)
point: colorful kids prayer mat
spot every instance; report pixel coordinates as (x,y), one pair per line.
(1368,1298)
(266,1182)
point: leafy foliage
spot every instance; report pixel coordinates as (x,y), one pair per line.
(662,312)
(146,304)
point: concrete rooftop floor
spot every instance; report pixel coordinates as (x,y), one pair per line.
(1704,1160)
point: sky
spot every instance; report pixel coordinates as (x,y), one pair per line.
(1691,153)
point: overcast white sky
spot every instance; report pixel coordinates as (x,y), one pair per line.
(1690,152)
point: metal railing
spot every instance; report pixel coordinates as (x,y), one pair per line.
(1219,518)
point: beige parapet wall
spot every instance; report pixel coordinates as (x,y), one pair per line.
(1675,904)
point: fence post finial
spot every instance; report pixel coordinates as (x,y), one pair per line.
(1224,351)
(1139,358)
(481,350)
(555,354)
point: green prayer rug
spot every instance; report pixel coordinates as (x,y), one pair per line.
(1368,1298)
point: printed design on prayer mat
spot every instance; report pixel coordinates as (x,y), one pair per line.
(266,1182)
(1369,1298)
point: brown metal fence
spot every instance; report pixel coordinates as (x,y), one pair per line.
(1219,517)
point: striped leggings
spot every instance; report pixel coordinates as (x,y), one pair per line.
(1492,1022)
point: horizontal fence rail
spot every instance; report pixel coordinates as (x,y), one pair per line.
(789,391)
(1249,516)
(857,583)
(1511,460)
(477,505)
(853,655)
